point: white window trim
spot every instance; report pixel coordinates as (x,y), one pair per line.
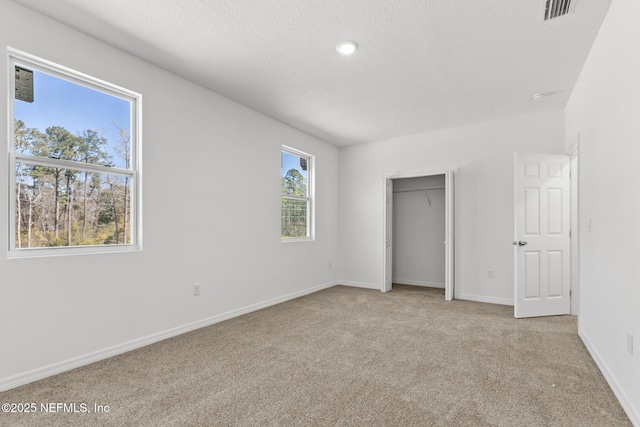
(23,59)
(311,168)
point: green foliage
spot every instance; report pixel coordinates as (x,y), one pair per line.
(92,148)
(67,207)
(294,218)
(294,211)
(294,183)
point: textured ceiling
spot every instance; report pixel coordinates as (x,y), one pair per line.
(422,64)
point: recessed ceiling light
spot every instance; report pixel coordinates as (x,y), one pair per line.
(347,48)
(539,96)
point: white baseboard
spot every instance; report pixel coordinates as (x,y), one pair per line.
(359,285)
(478,298)
(418,283)
(86,359)
(633,412)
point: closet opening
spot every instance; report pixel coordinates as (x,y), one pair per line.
(419,232)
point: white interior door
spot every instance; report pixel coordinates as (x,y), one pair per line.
(542,241)
(388,236)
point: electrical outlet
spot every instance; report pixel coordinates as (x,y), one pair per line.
(330,264)
(196,289)
(630,342)
(490,274)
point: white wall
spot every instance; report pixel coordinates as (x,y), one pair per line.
(201,153)
(483,155)
(419,231)
(604,109)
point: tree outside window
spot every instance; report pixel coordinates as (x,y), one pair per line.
(73,158)
(296,199)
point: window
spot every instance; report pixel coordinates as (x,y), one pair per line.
(74,153)
(297,195)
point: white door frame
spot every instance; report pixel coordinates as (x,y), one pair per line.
(450,226)
(387,280)
(573,152)
(450,235)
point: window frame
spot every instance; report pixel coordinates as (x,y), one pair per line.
(310,198)
(25,60)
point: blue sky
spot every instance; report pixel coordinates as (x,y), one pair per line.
(58,102)
(291,161)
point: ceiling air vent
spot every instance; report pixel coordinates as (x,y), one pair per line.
(556,8)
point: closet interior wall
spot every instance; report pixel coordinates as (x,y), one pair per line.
(419,231)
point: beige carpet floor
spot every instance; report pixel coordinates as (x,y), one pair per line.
(344,357)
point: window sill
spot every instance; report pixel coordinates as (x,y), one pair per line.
(297,239)
(66,251)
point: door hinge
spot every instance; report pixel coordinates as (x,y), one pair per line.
(569,292)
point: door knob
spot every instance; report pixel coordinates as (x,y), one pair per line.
(520,243)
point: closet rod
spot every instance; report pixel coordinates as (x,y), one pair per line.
(419,189)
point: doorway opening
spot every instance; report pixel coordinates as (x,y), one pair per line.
(419,231)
